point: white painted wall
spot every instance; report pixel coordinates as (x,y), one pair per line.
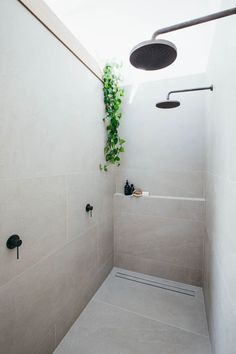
(51,144)
(220,246)
(164,152)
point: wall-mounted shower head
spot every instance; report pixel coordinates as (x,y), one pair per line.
(153,54)
(156,54)
(168,104)
(173,104)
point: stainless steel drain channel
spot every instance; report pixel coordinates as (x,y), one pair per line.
(156,284)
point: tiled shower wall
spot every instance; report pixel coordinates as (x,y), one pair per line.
(160,236)
(164,155)
(165,148)
(51,145)
(220,245)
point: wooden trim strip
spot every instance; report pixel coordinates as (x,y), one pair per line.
(40,10)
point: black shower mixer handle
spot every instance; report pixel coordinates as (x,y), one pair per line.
(14,241)
(89,209)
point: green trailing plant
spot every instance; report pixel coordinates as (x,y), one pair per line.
(113,94)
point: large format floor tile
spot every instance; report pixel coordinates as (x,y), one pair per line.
(169,307)
(110,326)
(106,329)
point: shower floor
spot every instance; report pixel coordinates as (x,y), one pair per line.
(130,317)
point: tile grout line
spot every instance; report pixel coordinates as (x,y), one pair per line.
(149,318)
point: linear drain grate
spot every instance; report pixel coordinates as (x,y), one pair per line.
(156,284)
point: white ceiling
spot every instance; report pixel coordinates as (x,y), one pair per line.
(109,29)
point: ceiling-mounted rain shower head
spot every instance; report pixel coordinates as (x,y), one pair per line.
(173,104)
(168,104)
(156,54)
(153,54)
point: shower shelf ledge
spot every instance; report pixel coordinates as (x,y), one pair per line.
(152,196)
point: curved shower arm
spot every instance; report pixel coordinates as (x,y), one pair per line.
(195,21)
(189,90)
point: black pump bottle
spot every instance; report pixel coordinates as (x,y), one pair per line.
(127,189)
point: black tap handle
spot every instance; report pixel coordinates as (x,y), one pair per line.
(19,243)
(14,241)
(89,208)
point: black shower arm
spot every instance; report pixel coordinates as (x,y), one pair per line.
(195,21)
(190,90)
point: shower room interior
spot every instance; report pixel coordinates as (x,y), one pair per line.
(84,267)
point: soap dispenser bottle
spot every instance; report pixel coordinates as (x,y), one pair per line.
(131,189)
(127,189)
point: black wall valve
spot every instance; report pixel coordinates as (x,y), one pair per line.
(14,241)
(89,209)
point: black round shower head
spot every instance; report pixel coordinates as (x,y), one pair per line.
(168,104)
(153,54)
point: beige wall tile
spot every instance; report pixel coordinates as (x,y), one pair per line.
(7,315)
(46,109)
(66,316)
(52,141)
(168,140)
(159,236)
(159,269)
(220,245)
(175,241)
(35,210)
(105,240)
(161,207)
(82,189)
(50,295)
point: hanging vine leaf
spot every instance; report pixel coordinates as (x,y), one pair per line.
(113,94)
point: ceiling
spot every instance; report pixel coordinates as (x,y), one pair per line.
(109,29)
